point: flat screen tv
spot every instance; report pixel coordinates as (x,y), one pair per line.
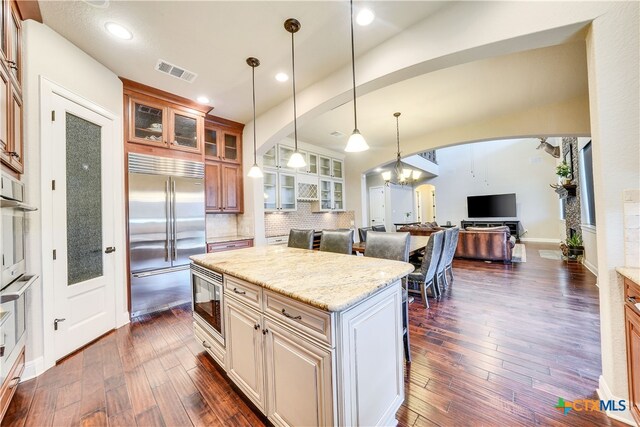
(492,206)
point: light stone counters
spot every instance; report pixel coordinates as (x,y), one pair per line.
(630,273)
(328,281)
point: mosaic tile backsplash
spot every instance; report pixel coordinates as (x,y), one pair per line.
(221,225)
(279,224)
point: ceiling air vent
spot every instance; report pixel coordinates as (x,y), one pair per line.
(337,134)
(175,71)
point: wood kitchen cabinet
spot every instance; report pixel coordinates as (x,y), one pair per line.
(632,321)
(223,187)
(222,144)
(157,123)
(11,120)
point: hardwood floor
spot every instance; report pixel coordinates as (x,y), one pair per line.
(499,348)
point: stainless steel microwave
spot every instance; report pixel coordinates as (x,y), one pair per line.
(13,211)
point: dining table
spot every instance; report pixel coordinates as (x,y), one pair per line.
(416,244)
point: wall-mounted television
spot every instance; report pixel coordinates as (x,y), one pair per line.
(492,206)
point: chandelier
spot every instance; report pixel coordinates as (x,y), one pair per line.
(401,174)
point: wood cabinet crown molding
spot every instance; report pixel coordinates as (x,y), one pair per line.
(131,87)
(29,9)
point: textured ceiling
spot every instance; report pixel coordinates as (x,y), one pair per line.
(213,39)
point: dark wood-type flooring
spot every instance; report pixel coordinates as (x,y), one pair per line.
(498,349)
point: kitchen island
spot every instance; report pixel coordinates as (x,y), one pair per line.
(311,338)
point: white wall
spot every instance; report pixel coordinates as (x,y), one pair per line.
(49,55)
(402,202)
(499,167)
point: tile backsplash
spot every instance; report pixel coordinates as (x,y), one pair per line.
(279,224)
(221,225)
(631,199)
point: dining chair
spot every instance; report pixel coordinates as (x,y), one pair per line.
(393,246)
(425,276)
(440,278)
(454,232)
(337,241)
(301,239)
(362,233)
(381,228)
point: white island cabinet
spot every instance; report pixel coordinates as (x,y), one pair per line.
(311,338)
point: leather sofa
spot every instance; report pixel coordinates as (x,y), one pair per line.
(490,244)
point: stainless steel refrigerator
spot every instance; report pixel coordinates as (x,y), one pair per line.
(166,227)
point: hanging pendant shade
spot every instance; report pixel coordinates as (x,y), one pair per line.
(356,142)
(255,171)
(297,160)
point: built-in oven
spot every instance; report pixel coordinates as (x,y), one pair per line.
(13,229)
(12,322)
(207,299)
(14,282)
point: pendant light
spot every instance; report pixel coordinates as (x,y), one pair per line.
(402,175)
(296,161)
(356,142)
(255,171)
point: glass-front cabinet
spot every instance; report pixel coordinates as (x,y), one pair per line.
(312,163)
(330,197)
(270,191)
(184,127)
(210,143)
(269,159)
(325,166)
(336,169)
(154,123)
(326,202)
(284,154)
(279,191)
(338,197)
(287,191)
(147,122)
(221,145)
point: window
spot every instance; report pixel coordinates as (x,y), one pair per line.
(589,205)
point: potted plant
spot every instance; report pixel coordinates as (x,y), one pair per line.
(575,250)
(563,170)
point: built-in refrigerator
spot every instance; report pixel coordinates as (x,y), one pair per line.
(166,227)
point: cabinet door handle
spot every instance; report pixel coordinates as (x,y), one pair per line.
(239,292)
(205,344)
(265,331)
(632,300)
(13,65)
(256,326)
(14,154)
(290,316)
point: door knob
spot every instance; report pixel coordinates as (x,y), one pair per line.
(109,250)
(55,323)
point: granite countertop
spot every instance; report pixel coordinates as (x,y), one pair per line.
(631,273)
(224,239)
(328,281)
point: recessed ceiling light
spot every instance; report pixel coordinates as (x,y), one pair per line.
(378,169)
(365,17)
(282,77)
(118,31)
(102,4)
(203,100)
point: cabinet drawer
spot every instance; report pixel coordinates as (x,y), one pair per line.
(229,246)
(631,290)
(11,384)
(209,344)
(308,320)
(246,292)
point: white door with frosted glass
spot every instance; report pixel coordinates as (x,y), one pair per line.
(82,224)
(376,206)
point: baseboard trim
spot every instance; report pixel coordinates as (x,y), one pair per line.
(32,369)
(592,268)
(604,392)
(539,240)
